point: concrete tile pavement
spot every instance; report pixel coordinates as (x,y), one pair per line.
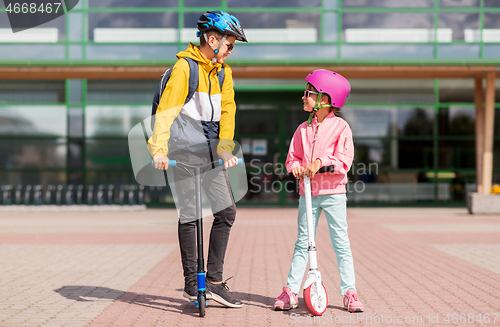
(414,267)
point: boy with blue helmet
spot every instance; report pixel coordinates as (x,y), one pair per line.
(223,22)
(211,111)
(219,24)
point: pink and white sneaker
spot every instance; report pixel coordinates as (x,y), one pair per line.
(286,301)
(351,302)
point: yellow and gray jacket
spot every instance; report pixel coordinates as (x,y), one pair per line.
(208,115)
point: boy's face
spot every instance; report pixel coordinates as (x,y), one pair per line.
(225,49)
(310,101)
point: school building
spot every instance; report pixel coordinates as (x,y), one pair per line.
(423,108)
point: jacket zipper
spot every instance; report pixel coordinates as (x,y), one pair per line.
(212,118)
(210,91)
(314,143)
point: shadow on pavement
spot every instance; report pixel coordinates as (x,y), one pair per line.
(97,293)
(268,302)
(178,305)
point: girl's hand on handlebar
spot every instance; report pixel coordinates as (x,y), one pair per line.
(298,171)
(312,168)
(161,162)
(229,159)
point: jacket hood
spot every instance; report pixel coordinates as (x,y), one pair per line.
(193,52)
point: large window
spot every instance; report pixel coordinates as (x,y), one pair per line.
(274,3)
(113,121)
(128,27)
(387,4)
(132,3)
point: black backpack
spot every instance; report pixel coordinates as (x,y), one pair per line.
(193,85)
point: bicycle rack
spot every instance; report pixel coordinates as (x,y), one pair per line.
(49,192)
(79,195)
(90,195)
(19,189)
(140,195)
(69,195)
(27,195)
(38,195)
(121,195)
(7,194)
(111,194)
(59,194)
(103,194)
(131,197)
(100,195)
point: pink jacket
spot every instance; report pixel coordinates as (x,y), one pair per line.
(331,142)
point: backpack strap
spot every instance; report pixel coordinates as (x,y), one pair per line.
(161,88)
(157,96)
(221,75)
(193,85)
(193,78)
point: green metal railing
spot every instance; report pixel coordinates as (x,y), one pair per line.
(340,11)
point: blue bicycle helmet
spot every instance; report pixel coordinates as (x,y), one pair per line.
(222,22)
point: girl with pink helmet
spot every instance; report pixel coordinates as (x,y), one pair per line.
(322,149)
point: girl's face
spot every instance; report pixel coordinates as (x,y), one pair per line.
(310,101)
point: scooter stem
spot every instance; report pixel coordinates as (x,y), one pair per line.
(311,245)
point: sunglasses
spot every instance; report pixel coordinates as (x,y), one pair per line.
(308,93)
(228,46)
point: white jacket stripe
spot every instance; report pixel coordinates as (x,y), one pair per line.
(201,100)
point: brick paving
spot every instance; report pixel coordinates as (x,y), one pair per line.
(414,267)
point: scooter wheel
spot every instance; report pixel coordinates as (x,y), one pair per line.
(201,305)
(316,299)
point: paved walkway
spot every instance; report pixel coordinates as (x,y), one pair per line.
(414,267)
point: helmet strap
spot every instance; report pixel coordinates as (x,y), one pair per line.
(316,108)
(216,50)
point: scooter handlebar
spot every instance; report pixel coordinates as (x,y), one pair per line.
(220,161)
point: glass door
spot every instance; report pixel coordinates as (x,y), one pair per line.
(264,130)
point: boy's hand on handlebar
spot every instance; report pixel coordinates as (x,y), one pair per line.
(161,162)
(229,159)
(298,171)
(312,168)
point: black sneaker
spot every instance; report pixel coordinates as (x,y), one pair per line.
(220,293)
(191,291)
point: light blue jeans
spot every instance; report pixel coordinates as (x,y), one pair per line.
(334,206)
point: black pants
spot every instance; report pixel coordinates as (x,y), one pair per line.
(215,184)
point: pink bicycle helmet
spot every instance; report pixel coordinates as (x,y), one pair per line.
(331,83)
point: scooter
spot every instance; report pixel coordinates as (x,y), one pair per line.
(201,299)
(315,296)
